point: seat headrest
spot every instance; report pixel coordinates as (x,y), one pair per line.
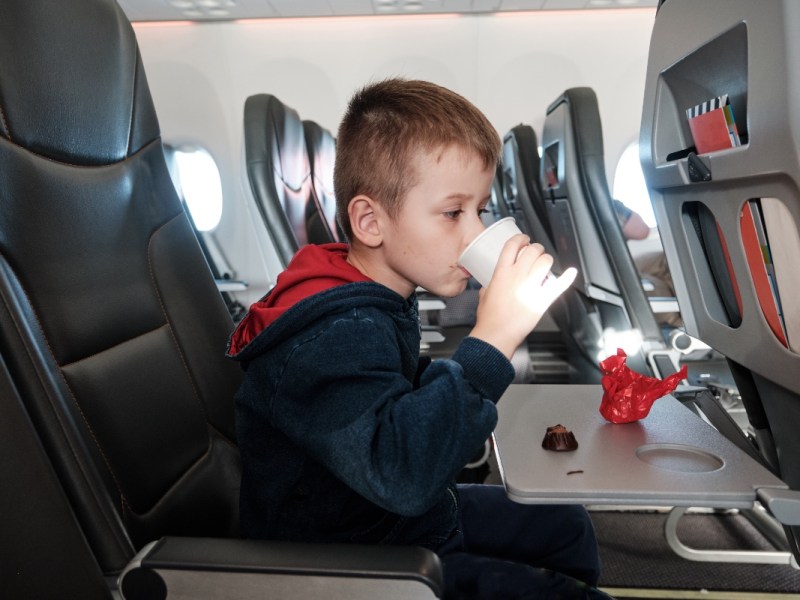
(49,106)
(588,129)
(283,142)
(322,150)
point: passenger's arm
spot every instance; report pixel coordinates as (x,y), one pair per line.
(519,293)
(635,228)
(632,224)
(360,417)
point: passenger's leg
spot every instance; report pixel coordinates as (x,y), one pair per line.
(487,558)
(472,577)
(559,538)
(653,267)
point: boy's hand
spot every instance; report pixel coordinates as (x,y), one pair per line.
(518,295)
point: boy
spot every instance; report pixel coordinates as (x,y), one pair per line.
(346,435)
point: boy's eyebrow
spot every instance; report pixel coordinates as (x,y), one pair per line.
(458,196)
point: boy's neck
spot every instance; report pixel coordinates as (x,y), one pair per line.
(370,262)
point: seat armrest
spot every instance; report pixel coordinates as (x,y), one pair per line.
(431,335)
(434,304)
(783,504)
(663,304)
(230,285)
(181,567)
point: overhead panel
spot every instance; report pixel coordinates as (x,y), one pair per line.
(463,6)
(405,7)
(220,10)
(352,7)
(195,10)
(574,4)
(306,8)
(514,5)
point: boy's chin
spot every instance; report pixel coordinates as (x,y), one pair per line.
(450,291)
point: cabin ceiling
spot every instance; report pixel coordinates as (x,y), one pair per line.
(213,10)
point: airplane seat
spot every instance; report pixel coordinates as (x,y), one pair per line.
(497,206)
(44,548)
(113,333)
(729,214)
(279,172)
(522,191)
(564,344)
(587,234)
(321,145)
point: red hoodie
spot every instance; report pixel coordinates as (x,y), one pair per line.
(312,270)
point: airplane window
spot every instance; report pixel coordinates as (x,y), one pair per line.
(200,185)
(630,187)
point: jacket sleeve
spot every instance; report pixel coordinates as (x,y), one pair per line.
(343,399)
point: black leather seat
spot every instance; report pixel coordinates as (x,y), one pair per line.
(497,206)
(522,191)
(587,234)
(321,146)
(113,334)
(278,172)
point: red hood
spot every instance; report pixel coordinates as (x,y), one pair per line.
(312,270)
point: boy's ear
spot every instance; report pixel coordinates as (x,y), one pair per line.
(364,214)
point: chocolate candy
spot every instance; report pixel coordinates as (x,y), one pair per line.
(559,439)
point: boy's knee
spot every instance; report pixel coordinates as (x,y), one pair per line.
(576,524)
(579,537)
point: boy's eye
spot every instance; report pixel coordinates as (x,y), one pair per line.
(483,211)
(453,214)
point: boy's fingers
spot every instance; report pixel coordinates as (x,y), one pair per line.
(512,248)
(538,295)
(542,263)
(558,285)
(531,252)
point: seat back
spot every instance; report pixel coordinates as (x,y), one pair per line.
(44,548)
(278,172)
(497,206)
(586,231)
(110,323)
(722,213)
(321,224)
(522,190)
(571,341)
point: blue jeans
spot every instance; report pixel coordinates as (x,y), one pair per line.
(509,550)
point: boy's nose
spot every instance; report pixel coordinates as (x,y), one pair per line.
(476,228)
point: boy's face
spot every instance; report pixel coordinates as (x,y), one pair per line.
(439,217)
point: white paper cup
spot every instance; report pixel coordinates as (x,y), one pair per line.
(482,254)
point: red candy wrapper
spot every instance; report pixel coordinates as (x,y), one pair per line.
(628,395)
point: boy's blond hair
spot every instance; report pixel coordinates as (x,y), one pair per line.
(385,127)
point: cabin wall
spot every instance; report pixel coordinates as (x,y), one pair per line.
(512,66)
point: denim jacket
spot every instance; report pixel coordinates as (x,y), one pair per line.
(346,435)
